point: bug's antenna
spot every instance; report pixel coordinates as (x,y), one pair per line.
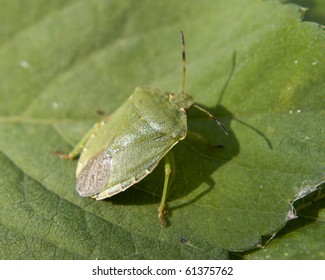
(212,117)
(184,62)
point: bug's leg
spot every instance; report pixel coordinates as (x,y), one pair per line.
(200,138)
(169,172)
(78,148)
(102,113)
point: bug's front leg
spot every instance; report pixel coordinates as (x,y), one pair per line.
(169,174)
(78,148)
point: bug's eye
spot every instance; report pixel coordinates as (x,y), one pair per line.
(171,96)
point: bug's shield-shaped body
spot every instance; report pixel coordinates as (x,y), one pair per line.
(127,147)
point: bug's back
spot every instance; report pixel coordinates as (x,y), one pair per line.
(130,144)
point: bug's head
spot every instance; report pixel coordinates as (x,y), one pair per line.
(182,101)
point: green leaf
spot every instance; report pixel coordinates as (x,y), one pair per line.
(315,9)
(302,238)
(251,63)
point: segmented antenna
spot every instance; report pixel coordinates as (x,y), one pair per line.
(211,117)
(183,88)
(184,62)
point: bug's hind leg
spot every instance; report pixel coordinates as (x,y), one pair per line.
(169,172)
(103,114)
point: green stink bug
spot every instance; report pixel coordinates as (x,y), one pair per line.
(124,148)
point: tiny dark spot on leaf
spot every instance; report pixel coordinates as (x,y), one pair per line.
(183,240)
